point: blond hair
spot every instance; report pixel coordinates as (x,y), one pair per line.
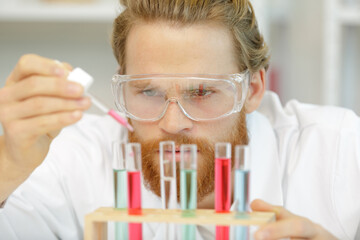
(238,16)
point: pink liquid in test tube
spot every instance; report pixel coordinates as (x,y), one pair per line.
(134,196)
(134,203)
(222,193)
(222,184)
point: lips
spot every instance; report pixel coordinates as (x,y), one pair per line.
(177,153)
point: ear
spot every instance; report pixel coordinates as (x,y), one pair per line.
(256,90)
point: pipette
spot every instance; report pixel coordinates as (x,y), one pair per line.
(80,76)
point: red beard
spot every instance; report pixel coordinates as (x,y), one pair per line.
(205,164)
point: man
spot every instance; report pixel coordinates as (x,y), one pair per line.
(207,63)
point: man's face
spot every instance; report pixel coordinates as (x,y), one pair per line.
(158,47)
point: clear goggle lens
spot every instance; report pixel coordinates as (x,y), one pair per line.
(147,98)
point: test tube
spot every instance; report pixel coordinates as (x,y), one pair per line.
(222,185)
(222,177)
(188,186)
(120,186)
(188,181)
(242,188)
(168,183)
(120,175)
(242,180)
(133,164)
(168,175)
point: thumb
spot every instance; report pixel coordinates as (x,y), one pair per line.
(262,206)
(53,134)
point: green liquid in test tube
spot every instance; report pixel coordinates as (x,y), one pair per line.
(188,191)
(120,187)
(188,187)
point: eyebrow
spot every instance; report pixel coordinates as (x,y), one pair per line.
(139,84)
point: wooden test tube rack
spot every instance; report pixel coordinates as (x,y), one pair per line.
(96,222)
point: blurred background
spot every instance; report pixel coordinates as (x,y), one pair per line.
(315,45)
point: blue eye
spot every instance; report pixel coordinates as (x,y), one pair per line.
(150,93)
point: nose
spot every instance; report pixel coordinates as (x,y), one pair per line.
(174,120)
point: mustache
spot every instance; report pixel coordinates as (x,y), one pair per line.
(152,146)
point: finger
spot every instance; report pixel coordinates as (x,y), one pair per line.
(37,106)
(53,134)
(32,128)
(296,227)
(67,66)
(32,64)
(44,86)
(262,206)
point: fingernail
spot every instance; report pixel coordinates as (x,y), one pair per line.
(262,235)
(74,88)
(76,114)
(83,102)
(59,72)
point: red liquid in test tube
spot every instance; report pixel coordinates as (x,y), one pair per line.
(134,203)
(134,196)
(133,161)
(222,184)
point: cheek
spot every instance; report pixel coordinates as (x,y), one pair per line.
(218,130)
(145,130)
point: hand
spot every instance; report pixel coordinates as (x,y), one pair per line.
(35,104)
(288,225)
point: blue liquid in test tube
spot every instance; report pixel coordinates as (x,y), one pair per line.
(120,187)
(242,188)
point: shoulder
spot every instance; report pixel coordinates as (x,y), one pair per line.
(303,116)
(319,153)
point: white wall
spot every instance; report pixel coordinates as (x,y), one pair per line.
(86,45)
(293,29)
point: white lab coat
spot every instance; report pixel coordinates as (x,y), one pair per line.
(304,157)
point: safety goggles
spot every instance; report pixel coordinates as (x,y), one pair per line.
(200,97)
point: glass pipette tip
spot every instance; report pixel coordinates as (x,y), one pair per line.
(110,112)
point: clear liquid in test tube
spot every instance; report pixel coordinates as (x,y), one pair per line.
(120,186)
(188,187)
(168,175)
(133,165)
(168,183)
(242,188)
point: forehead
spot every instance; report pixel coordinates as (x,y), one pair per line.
(159,47)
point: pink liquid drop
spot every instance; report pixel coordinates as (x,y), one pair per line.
(134,192)
(222,184)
